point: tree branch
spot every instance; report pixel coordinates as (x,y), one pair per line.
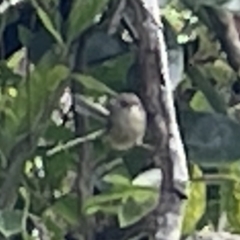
(84,168)
(157,96)
(223,24)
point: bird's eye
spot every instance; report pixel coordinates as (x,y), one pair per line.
(124,104)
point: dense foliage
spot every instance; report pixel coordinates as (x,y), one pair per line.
(49,187)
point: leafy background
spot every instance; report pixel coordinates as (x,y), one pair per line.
(39,197)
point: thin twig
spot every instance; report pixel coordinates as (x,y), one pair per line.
(73,143)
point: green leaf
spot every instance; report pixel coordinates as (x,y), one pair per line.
(46,20)
(196,202)
(101,46)
(131,211)
(212,140)
(110,208)
(28,107)
(56,168)
(40,43)
(55,228)
(203,83)
(200,103)
(117,201)
(7,76)
(67,208)
(143,195)
(102,202)
(55,133)
(135,160)
(230,196)
(10,222)
(15,58)
(91,83)
(48,225)
(117,180)
(24,35)
(220,71)
(114,72)
(58,73)
(82,15)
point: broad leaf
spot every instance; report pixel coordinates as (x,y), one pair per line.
(56,168)
(199,79)
(7,76)
(81,15)
(10,222)
(131,212)
(25,35)
(103,202)
(119,196)
(114,73)
(39,44)
(47,22)
(211,139)
(67,209)
(116,180)
(196,202)
(91,83)
(230,196)
(29,105)
(200,103)
(100,46)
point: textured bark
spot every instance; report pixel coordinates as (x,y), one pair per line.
(157,96)
(84,185)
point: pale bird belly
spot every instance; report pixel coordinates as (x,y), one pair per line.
(130,131)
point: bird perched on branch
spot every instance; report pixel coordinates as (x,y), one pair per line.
(124,116)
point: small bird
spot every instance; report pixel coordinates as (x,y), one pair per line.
(125,119)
